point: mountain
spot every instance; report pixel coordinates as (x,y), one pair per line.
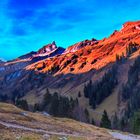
(85,79)
(93,54)
(49,50)
(21,62)
(1,62)
(28,55)
(80,45)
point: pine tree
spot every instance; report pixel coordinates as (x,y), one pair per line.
(92,121)
(105,122)
(79,94)
(136,123)
(86,91)
(117,58)
(92,102)
(87,114)
(3,98)
(47,98)
(36,107)
(132,47)
(22,104)
(76,102)
(54,104)
(99,90)
(122,124)
(115,121)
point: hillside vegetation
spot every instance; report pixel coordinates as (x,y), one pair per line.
(93,81)
(18,124)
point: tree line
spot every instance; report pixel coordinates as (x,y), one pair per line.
(130,49)
(130,93)
(96,92)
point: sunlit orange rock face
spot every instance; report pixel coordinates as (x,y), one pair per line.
(90,54)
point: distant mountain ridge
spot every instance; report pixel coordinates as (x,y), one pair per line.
(95,54)
(49,50)
(79,58)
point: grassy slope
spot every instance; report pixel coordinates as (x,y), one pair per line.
(109,104)
(11,114)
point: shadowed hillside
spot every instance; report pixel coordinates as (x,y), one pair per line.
(83,81)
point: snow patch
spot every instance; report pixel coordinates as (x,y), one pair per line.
(138,27)
(24,114)
(122,136)
(46,114)
(45,54)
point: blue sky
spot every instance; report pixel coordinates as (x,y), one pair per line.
(27,25)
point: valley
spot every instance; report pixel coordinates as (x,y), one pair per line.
(92,81)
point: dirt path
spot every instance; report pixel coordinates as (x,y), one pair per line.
(122,136)
(116,135)
(11,125)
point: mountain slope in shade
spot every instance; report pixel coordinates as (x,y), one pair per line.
(85,57)
(28,55)
(1,61)
(68,71)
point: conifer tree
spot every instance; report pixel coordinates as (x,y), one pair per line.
(36,107)
(105,122)
(92,121)
(117,58)
(47,98)
(122,124)
(54,104)
(22,104)
(87,114)
(136,123)
(79,94)
(115,121)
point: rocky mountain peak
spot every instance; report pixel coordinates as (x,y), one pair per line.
(48,48)
(131,27)
(80,45)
